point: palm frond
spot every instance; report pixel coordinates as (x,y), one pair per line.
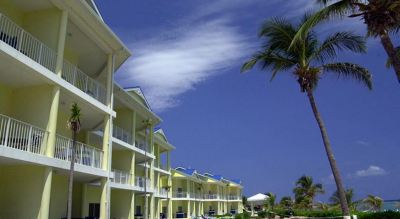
(337,9)
(269,59)
(350,70)
(338,42)
(278,32)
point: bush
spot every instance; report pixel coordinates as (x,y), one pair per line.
(244,215)
(379,215)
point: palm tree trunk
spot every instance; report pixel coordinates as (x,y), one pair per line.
(329,153)
(391,51)
(71,177)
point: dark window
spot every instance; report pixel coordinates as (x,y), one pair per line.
(138,211)
(94,210)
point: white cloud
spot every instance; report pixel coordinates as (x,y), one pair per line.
(166,68)
(362,143)
(371,171)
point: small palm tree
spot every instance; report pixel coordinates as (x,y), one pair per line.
(375,203)
(382,17)
(75,125)
(286,203)
(305,191)
(335,199)
(308,60)
(270,201)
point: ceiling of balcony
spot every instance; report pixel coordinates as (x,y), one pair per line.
(32,5)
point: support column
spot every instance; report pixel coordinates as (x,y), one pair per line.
(84,205)
(132,169)
(132,206)
(168,160)
(152,204)
(133,132)
(104,204)
(169,209)
(45,201)
(53,114)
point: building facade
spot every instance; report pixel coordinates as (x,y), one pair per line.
(196,195)
(54,53)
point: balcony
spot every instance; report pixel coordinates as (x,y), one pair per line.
(121,177)
(233,197)
(121,134)
(162,193)
(84,154)
(211,196)
(142,183)
(141,144)
(179,194)
(31,47)
(22,136)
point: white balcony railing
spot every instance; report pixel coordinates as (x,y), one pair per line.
(179,194)
(163,192)
(84,154)
(22,136)
(141,144)
(141,183)
(122,134)
(233,197)
(24,42)
(79,79)
(121,177)
(27,44)
(210,196)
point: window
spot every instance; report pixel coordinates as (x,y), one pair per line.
(180,209)
(138,210)
(94,210)
(164,210)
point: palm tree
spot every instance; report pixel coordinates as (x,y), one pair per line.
(382,17)
(74,124)
(375,203)
(270,201)
(389,61)
(286,202)
(308,60)
(305,191)
(335,199)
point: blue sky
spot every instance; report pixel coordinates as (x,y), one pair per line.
(186,57)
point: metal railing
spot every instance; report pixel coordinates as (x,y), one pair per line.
(73,75)
(30,46)
(22,136)
(26,43)
(121,177)
(211,196)
(84,154)
(233,197)
(141,144)
(163,192)
(179,194)
(140,182)
(122,134)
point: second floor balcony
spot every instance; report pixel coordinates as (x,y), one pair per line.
(143,183)
(211,196)
(180,194)
(28,45)
(121,177)
(84,154)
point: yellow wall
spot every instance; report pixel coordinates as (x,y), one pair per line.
(120,204)
(124,119)
(44,25)
(21,190)
(121,160)
(10,10)
(5,99)
(32,104)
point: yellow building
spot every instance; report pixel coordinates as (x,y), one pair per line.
(54,53)
(195,194)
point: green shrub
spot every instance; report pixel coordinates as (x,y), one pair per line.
(379,215)
(244,215)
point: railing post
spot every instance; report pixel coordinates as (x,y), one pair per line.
(93,158)
(21,35)
(40,53)
(7,131)
(81,154)
(74,75)
(30,139)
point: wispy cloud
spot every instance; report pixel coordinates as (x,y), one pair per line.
(362,143)
(167,68)
(371,171)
